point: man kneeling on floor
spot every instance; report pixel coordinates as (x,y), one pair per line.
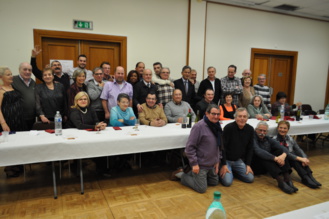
(203,150)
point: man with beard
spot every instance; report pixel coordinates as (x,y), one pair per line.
(56,66)
(82,62)
(111,91)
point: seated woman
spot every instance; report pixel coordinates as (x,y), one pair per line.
(82,116)
(50,97)
(296,156)
(122,114)
(247,93)
(227,109)
(281,98)
(257,108)
(79,77)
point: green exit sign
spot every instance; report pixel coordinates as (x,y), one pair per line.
(86,25)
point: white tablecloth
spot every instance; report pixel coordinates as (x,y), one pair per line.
(24,148)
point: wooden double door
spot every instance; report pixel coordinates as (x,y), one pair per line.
(279,70)
(61,45)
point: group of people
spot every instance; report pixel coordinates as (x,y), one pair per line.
(96,99)
(217,155)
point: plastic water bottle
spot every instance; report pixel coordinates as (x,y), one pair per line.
(326,113)
(216,209)
(282,113)
(58,124)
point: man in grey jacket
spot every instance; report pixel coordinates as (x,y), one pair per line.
(95,88)
(203,149)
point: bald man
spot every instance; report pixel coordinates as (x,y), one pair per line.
(24,84)
(141,89)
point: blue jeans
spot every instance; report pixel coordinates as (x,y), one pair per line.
(239,169)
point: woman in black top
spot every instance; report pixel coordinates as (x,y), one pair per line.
(79,77)
(132,77)
(227,109)
(82,116)
(11,113)
(50,97)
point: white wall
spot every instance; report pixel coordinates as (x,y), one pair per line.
(232,32)
(157,31)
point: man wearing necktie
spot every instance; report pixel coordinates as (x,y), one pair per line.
(141,89)
(186,87)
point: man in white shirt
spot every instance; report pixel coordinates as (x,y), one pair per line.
(82,62)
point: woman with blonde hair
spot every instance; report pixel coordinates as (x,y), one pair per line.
(11,112)
(82,116)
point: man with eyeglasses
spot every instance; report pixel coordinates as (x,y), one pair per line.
(106,67)
(238,150)
(165,91)
(203,149)
(24,84)
(152,114)
(95,88)
(273,158)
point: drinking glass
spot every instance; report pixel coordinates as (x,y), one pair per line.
(136,124)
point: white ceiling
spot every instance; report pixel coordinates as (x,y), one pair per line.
(315,9)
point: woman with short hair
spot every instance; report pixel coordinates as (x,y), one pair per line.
(82,116)
(79,77)
(247,93)
(296,156)
(50,97)
(122,114)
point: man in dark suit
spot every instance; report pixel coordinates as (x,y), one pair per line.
(212,83)
(186,86)
(141,89)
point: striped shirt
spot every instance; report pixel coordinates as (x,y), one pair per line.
(264,92)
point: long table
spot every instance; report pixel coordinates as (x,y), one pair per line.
(26,147)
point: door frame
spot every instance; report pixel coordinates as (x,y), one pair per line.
(38,34)
(326,100)
(292,54)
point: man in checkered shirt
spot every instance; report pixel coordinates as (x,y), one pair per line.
(232,84)
(165,90)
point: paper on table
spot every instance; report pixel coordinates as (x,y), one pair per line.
(34,132)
